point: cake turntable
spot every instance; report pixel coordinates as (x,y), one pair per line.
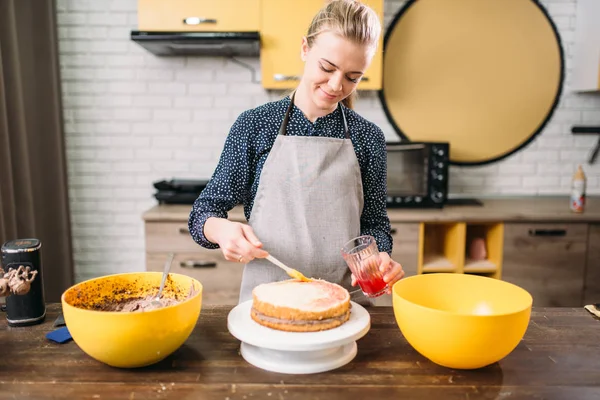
(297,352)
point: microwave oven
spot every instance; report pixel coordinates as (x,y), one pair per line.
(417,174)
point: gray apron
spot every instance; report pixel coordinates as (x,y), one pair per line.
(308,204)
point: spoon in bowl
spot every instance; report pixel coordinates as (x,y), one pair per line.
(156,301)
(290,271)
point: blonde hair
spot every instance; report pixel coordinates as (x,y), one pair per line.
(351,20)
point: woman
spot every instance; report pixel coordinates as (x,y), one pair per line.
(309,171)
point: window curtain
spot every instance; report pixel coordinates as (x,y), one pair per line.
(33,175)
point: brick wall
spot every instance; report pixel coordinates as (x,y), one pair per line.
(132,118)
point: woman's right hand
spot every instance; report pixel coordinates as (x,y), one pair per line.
(236,240)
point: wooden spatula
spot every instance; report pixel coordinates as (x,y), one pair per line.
(290,271)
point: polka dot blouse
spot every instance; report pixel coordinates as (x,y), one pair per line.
(236,177)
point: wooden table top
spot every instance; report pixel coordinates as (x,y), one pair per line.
(559,358)
(507,209)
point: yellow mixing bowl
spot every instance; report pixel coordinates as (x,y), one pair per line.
(459,320)
(131,339)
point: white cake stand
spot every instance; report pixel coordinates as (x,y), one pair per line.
(297,352)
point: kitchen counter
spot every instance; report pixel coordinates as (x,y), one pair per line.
(559,358)
(507,209)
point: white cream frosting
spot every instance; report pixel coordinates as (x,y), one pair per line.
(305,296)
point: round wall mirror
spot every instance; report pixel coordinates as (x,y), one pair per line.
(483,75)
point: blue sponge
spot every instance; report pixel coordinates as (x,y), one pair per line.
(61,335)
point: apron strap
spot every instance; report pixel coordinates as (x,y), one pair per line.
(286,118)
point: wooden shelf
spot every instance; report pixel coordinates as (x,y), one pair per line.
(492,235)
(441,247)
(479,266)
(439,263)
(445,247)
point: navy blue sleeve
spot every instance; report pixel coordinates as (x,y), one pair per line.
(229,184)
(374,219)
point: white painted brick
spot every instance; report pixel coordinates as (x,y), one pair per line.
(132,114)
(215,114)
(541,181)
(591,117)
(69,19)
(107,19)
(161,62)
(127,87)
(209,141)
(135,142)
(233,101)
(73,154)
(195,75)
(93,114)
(102,180)
(154,74)
(561,9)
(568,116)
(194,102)
(574,155)
(119,33)
(131,166)
(151,128)
(130,193)
(114,154)
(172,115)
(586,141)
(101,46)
(86,5)
(165,142)
(111,128)
(171,166)
(203,170)
(241,88)
(554,168)
(196,154)
(114,74)
(205,63)
(125,60)
(123,5)
(111,101)
(79,101)
(207,88)
(81,60)
(166,87)
(91,166)
(152,101)
(548,155)
(516,169)
(153,154)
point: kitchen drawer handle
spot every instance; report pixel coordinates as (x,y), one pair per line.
(197,264)
(393,231)
(547,232)
(364,79)
(183,231)
(198,21)
(281,77)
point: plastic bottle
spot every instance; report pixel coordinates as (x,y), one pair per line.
(578,188)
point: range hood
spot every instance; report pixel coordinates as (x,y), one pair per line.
(199,43)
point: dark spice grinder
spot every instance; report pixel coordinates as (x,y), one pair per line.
(22,267)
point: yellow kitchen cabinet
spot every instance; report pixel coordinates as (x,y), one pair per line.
(444,247)
(283,24)
(199,15)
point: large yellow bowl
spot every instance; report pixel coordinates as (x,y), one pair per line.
(131,339)
(459,320)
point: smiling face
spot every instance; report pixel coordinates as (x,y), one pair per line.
(333,67)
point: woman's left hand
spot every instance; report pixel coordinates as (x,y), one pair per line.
(392,271)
